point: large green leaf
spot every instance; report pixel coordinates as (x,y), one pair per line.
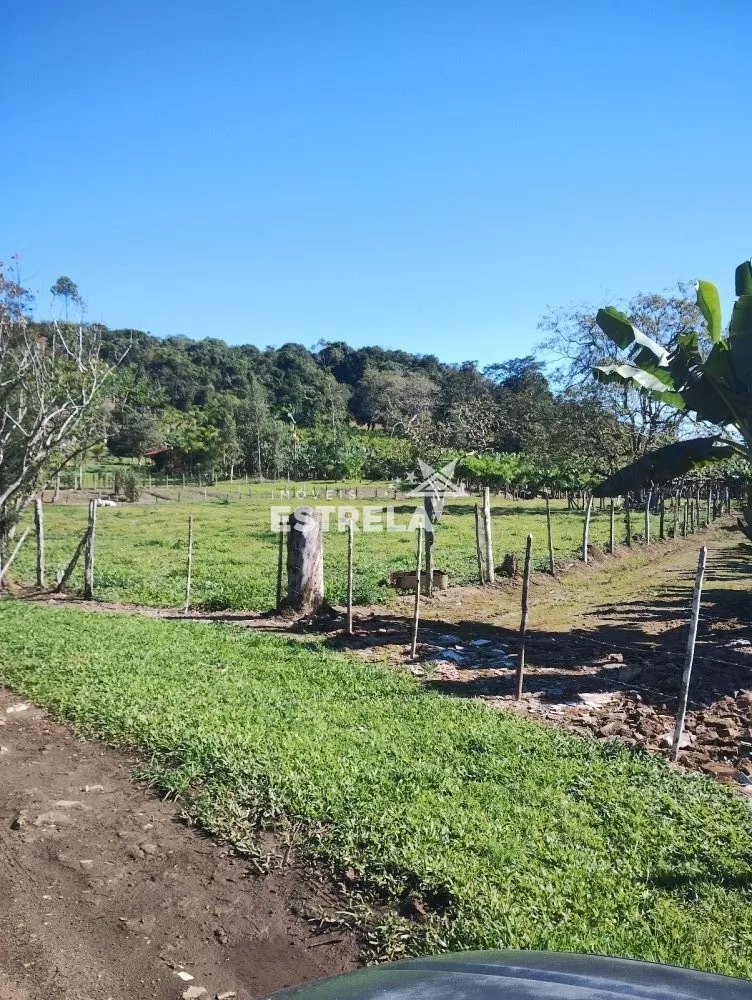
(663,465)
(638,379)
(709,302)
(618,329)
(740,329)
(743,279)
(705,384)
(741,317)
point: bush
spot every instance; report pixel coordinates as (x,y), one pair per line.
(131,487)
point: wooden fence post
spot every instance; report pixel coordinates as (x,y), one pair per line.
(677,500)
(648,501)
(690,654)
(428,509)
(89,552)
(662,519)
(523,622)
(586,529)
(611,539)
(350,540)
(551,561)
(189,566)
(416,609)
(684,519)
(490,573)
(478,554)
(39,525)
(628,520)
(305,561)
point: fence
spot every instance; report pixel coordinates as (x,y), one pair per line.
(141,552)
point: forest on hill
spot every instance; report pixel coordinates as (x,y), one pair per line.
(203,407)
(343,412)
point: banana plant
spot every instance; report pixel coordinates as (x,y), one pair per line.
(715,385)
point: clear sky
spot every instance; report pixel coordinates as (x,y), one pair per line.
(422,175)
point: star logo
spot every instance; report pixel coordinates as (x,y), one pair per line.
(437,483)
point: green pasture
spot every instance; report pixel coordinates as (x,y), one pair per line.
(141,548)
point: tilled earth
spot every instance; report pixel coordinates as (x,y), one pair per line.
(106,893)
(603,694)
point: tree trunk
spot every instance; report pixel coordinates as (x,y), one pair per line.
(305,561)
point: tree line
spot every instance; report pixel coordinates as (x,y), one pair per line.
(335,411)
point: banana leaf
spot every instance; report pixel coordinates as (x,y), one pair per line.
(627,374)
(617,328)
(743,278)
(709,302)
(663,465)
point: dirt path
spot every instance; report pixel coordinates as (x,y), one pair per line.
(105,892)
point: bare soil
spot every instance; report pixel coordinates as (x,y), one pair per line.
(106,892)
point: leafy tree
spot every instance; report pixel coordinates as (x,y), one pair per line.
(66,290)
(715,384)
(577,343)
(132,432)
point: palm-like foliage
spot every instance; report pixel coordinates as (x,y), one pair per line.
(714,385)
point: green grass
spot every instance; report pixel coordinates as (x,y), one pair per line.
(521,835)
(141,550)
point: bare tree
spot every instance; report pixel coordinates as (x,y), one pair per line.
(51,391)
(398,401)
(576,343)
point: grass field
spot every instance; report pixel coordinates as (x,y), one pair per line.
(141,549)
(517,835)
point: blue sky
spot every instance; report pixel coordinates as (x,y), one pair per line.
(429,176)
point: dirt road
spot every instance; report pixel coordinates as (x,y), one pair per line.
(106,893)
